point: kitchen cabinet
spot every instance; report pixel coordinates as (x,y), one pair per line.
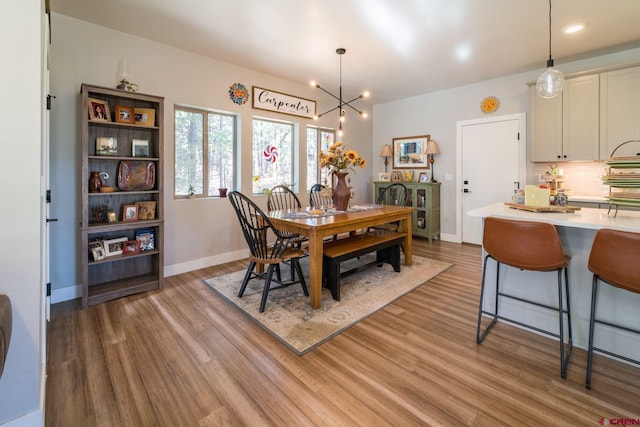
(619,112)
(425,198)
(566,128)
(122,141)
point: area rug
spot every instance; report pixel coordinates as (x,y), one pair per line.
(289,317)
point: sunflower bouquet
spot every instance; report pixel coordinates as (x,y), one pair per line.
(339,159)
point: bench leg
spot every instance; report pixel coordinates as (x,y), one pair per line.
(332,277)
(390,255)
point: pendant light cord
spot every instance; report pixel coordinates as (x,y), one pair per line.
(550,30)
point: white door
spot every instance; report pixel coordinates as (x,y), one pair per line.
(45,197)
(492,164)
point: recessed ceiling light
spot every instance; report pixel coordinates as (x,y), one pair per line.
(574,28)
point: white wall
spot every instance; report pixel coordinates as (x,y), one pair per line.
(20,218)
(199,233)
(437,113)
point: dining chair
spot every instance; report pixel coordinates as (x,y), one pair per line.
(258,230)
(532,246)
(315,198)
(394,194)
(613,261)
(281,197)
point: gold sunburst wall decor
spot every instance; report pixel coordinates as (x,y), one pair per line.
(489,104)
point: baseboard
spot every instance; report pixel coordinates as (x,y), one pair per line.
(68,293)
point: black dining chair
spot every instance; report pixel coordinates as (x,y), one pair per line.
(258,231)
(281,197)
(394,194)
(315,199)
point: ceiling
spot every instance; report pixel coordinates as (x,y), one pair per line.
(395,48)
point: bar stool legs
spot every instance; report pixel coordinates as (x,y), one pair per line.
(565,348)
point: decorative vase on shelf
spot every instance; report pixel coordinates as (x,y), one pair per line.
(95,182)
(340,191)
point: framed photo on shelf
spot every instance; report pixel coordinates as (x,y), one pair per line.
(140,148)
(396,176)
(410,152)
(98,110)
(129,213)
(144,116)
(114,246)
(424,177)
(97,250)
(131,247)
(146,209)
(124,114)
(384,177)
(147,239)
(97,214)
(111,216)
(106,146)
(407,176)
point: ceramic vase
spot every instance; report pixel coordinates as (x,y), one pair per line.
(340,192)
(95,182)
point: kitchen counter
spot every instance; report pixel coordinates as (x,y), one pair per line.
(588,218)
(577,231)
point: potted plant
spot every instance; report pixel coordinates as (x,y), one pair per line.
(191,192)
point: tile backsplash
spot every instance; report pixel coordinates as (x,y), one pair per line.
(582,178)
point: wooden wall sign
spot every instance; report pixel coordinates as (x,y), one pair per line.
(270,100)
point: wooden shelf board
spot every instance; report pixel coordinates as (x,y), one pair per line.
(120,288)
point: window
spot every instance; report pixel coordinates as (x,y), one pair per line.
(205,151)
(317,139)
(272,154)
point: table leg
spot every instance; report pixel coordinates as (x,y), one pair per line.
(315,270)
(407,244)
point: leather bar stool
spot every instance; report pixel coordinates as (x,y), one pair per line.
(614,260)
(531,246)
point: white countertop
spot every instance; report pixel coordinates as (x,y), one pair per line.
(589,218)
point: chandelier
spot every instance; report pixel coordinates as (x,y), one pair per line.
(551,81)
(341,103)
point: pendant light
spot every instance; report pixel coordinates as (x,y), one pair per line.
(341,103)
(550,82)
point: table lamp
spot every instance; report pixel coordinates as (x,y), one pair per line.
(386,153)
(432,150)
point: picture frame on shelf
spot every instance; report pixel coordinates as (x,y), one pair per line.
(96,247)
(144,116)
(129,213)
(396,176)
(146,209)
(106,146)
(140,148)
(131,247)
(97,214)
(98,110)
(114,247)
(111,216)
(124,114)
(424,177)
(410,152)
(407,176)
(384,177)
(147,239)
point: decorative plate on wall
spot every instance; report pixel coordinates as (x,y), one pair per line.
(490,104)
(238,93)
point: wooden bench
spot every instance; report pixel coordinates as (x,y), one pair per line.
(385,243)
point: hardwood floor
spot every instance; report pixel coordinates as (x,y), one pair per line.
(183,357)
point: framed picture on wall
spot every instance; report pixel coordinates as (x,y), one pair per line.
(409,152)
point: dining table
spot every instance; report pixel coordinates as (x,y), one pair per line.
(317,225)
